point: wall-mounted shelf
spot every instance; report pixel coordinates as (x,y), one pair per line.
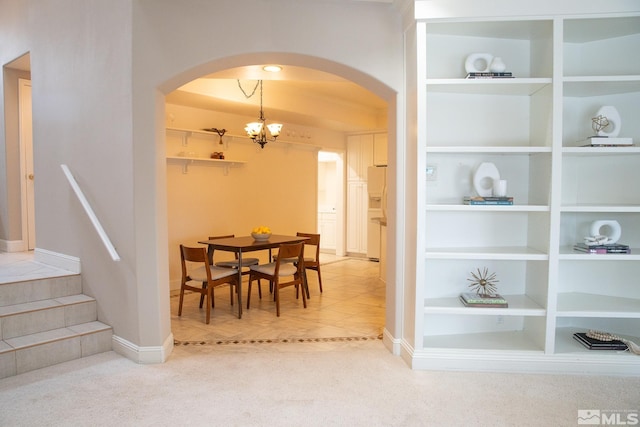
(188,133)
(191,160)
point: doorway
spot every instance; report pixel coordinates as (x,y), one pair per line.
(19,226)
(26,164)
(331,209)
(181,118)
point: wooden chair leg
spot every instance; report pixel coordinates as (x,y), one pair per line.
(304,298)
(249,292)
(181,299)
(209,298)
(204,286)
(319,279)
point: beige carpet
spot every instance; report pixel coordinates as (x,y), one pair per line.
(352,383)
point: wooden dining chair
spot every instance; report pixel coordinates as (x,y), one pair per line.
(310,262)
(195,267)
(277,272)
(313,262)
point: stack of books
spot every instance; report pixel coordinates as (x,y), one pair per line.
(488,200)
(615,248)
(490,75)
(470,299)
(594,344)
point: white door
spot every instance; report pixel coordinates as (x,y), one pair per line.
(26,164)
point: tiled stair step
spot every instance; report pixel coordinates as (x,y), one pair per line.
(39,289)
(26,353)
(39,316)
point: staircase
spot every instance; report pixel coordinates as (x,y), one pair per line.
(48,321)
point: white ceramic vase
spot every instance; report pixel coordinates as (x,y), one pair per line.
(497,65)
(484,177)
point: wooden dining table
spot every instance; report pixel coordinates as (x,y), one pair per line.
(242,244)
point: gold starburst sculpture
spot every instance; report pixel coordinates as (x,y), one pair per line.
(483,282)
(599,123)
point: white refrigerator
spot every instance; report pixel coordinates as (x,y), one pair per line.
(376,210)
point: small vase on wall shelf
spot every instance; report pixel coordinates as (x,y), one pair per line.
(484,177)
(497,65)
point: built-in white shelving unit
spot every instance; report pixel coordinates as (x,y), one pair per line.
(529,126)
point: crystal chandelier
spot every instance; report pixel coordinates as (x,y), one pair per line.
(256,130)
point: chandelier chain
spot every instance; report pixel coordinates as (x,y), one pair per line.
(245,93)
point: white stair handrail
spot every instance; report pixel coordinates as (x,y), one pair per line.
(92,216)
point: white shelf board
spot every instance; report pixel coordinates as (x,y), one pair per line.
(186,161)
(516,253)
(244,138)
(511,340)
(599,151)
(191,131)
(204,159)
(510,86)
(617,208)
(485,208)
(487,150)
(519,305)
(568,253)
(577,304)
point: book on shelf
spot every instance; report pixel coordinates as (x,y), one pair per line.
(488,200)
(490,75)
(594,344)
(616,248)
(606,141)
(470,299)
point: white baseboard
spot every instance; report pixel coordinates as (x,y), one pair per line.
(519,362)
(12,246)
(143,355)
(392,344)
(54,259)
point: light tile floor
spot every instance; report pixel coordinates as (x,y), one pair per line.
(20,266)
(352,306)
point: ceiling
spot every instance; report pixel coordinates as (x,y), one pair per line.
(295,95)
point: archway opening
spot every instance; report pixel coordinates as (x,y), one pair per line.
(186,109)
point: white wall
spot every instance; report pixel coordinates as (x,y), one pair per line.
(176,42)
(100,71)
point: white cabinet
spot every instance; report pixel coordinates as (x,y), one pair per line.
(380,149)
(327,229)
(565,69)
(357,198)
(359,156)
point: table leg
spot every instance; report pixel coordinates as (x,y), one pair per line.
(240,284)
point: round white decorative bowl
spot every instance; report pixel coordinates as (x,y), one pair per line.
(261,236)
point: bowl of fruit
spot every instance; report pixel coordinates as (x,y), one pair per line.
(261,233)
